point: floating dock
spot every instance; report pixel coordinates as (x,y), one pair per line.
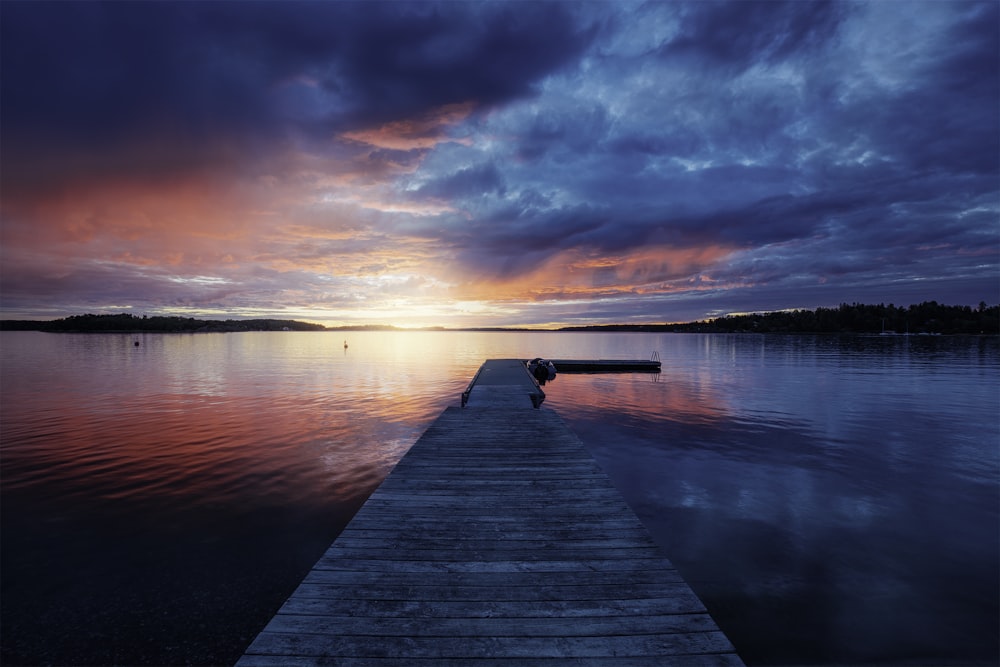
(495,540)
(605,366)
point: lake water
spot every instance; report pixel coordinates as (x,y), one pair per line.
(832,500)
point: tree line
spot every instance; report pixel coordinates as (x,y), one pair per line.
(929,317)
(128,323)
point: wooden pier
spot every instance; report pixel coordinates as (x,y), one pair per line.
(496,540)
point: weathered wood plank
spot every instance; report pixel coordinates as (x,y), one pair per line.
(678,603)
(706,660)
(675,645)
(489,554)
(507,484)
(380,579)
(439,592)
(649,563)
(684,602)
(540,473)
(485,543)
(521,492)
(541,626)
(423,524)
(478,530)
(560,503)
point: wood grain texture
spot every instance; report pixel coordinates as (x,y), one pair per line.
(496,540)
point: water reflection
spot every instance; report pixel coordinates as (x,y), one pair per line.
(832,500)
(181,488)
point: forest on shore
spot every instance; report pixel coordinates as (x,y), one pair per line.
(927,318)
(127,323)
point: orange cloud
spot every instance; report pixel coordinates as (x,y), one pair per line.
(417,133)
(579,274)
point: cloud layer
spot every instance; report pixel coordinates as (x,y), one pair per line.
(496,163)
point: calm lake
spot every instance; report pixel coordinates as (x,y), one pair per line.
(831,499)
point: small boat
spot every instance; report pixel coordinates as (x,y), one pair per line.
(542,370)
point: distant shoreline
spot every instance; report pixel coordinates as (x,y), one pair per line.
(928,318)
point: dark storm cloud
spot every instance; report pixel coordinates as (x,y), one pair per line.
(563,132)
(399,65)
(741,34)
(947,123)
(944,116)
(468,182)
(802,121)
(227,80)
(520,233)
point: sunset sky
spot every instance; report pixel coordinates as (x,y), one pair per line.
(496,164)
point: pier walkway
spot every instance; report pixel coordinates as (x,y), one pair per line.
(503,383)
(496,540)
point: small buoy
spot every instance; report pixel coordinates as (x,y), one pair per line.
(345,344)
(137,343)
